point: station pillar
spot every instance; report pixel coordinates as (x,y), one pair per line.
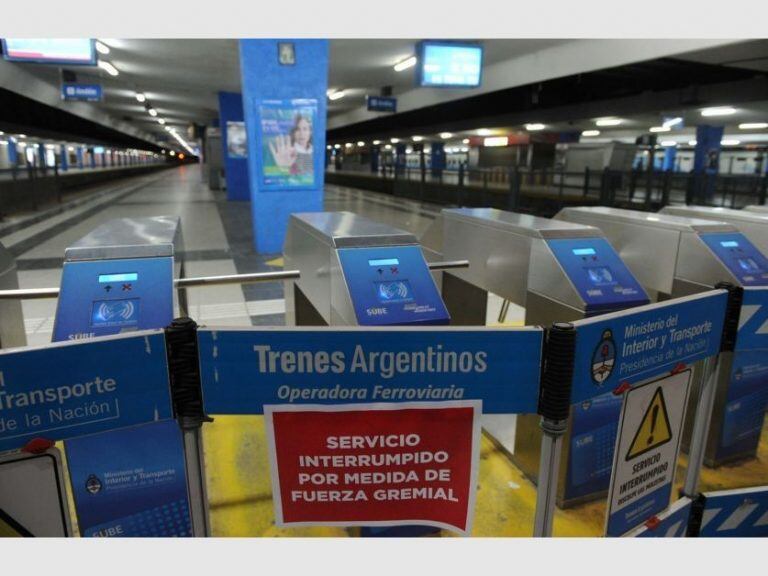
(64,165)
(706,160)
(668,164)
(438,158)
(400,158)
(93,158)
(41,156)
(234,153)
(284,85)
(375,158)
(80,157)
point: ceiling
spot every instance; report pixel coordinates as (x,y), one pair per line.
(181,77)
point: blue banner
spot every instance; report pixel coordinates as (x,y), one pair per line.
(673,523)
(73,389)
(138,490)
(81,92)
(644,342)
(242,370)
(735,513)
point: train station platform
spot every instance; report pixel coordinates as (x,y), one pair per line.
(218,240)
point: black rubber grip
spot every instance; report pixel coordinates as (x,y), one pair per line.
(184,372)
(696,516)
(557,375)
(732,313)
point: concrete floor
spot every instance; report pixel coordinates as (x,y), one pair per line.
(218,240)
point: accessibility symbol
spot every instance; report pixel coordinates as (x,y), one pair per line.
(655,429)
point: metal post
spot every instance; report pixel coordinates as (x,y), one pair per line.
(195,468)
(554,407)
(700,432)
(549,466)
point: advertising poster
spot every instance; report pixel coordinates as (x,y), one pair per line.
(287,136)
(237,140)
(138,490)
(375,464)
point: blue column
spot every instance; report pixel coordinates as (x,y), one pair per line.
(235,156)
(400,158)
(80,157)
(670,153)
(375,157)
(13,152)
(706,159)
(292,180)
(93,158)
(41,156)
(438,158)
(64,165)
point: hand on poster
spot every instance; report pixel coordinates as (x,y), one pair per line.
(282,152)
(287,143)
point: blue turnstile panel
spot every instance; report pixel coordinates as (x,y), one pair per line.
(601,278)
(105,297)
(740,256)
(391,286)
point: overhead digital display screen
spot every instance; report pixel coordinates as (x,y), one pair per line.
(70,51)
(449,64)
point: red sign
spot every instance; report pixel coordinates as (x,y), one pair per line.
(375,464)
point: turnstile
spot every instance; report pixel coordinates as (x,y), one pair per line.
(355,271)
(557,271)
(678,256)
(12,331)
(753,225)
(119,278)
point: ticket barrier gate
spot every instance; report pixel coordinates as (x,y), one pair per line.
(558,272)
(121,278)
(752,224)
(357,272)
(12,325)
(675,256)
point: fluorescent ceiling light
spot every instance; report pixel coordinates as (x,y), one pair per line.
(22,135)
(465,149)
(409,150)
(484,132)
(329,147)
(160,121)
(730,142)
(1,132)
(376,142)
(348,145)
(608,121)
(659,128)
(173,153)
(746,126)
(465,141)
(336,95)
(668,143)
(405,64)
(718,111)
(141,97)
(337,146)
(534,127)
(591,133)
(418,138)
(672,122)
(388,147)
(691,142)
(101,47)
(446,135)
(108,67)
(394,140)
(361,143)
(152,112)
(496,141)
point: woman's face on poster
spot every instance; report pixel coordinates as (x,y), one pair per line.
(303,133)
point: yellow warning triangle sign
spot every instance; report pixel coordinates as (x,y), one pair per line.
(654,430)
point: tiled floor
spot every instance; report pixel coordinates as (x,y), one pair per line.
(218,239)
